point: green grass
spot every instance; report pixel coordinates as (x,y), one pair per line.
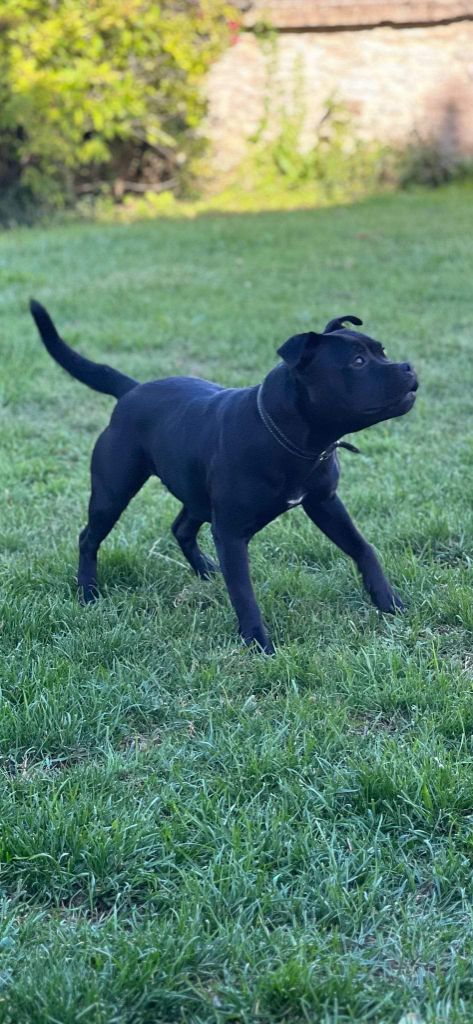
(189,831)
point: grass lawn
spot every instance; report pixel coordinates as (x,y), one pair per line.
(189,831)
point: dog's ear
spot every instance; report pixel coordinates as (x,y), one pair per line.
(337,324)
(297,350)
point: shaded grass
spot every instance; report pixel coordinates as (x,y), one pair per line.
(188,831)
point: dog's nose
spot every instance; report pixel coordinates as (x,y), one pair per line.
(408,368)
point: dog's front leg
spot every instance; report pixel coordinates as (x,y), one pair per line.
(333,519)
(233,557)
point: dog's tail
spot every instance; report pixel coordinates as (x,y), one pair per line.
(96,375)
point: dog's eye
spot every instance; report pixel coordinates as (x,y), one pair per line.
(359,361)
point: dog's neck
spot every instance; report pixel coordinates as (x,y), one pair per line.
(283,401)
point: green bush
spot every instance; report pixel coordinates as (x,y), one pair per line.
(335,167)
(98,93)
(422,162)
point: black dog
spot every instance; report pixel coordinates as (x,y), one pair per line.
(239,457)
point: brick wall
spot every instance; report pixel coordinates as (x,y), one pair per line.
(395,81)
(303,14)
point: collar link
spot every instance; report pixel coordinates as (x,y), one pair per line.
(289,445)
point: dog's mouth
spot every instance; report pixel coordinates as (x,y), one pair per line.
(411,394)
(404,403)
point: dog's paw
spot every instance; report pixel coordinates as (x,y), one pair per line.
(399,605)
(259,639)
(385,599)
(87,593)
(268,648)
(206,568)
(378,587)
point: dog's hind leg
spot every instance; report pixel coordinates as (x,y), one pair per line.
(118,472)
(185,529)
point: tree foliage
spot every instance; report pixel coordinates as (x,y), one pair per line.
(95,91)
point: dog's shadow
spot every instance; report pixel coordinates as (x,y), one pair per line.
(123,573)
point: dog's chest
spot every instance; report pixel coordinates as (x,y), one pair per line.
(296,500)
(317,480)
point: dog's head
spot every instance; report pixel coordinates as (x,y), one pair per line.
(347,376)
